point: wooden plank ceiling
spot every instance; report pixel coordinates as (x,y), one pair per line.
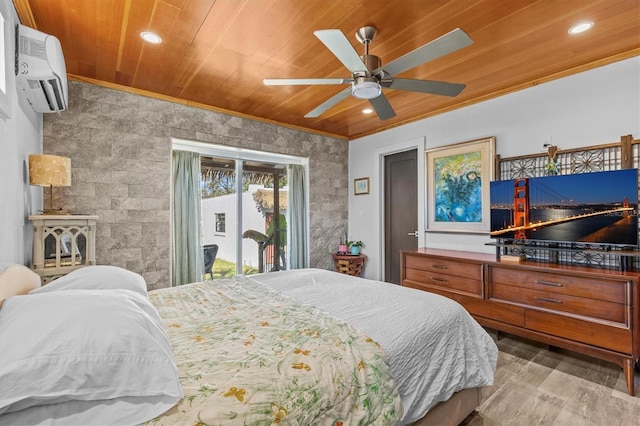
(216,52)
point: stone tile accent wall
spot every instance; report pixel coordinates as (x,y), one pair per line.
(120,149)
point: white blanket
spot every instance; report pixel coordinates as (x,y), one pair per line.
(434,347)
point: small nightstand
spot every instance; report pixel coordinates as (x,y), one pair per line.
(349,264)
(62,243)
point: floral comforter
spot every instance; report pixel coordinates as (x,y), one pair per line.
(248,355)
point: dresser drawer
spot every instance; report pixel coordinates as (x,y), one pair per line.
(605,336)
(503,312)
(443,266)
(615,291)
(444,281)
(600,309)
(476,306)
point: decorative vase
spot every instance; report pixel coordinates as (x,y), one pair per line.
(355,250)
(342,248)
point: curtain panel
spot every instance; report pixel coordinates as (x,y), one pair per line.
(298,253)
(187,248)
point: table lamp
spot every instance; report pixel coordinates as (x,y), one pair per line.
(50,170)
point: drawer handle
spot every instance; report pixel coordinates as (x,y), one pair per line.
(550,283)
(546,299)
(441,280)
(439,266)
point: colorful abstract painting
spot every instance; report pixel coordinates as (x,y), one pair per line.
(458,188)
(458,177)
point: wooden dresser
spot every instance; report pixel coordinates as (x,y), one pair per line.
(592,311)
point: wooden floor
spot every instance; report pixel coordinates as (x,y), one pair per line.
(535,386)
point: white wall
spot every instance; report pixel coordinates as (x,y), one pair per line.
(590,108)
(20,135)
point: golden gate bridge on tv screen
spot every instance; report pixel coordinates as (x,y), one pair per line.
(522,208)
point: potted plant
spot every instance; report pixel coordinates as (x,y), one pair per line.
(355,246)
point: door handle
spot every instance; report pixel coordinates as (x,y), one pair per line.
(414,233)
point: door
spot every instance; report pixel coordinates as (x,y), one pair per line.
(244,198)
(238,217)
(400,209)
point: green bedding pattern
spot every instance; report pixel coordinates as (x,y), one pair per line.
(248,355)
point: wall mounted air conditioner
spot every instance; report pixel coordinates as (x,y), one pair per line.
(41,72)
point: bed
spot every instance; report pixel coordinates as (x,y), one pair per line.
(292,347)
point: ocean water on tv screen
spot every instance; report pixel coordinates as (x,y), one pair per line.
(597,208)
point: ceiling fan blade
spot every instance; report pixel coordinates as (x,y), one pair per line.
(426,86)
(448,43)
(329,103)
(304,81)
(382,106)
(338,44)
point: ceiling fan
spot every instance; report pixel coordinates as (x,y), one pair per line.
(368,76)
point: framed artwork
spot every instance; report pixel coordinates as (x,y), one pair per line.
(458,179)
(361,186)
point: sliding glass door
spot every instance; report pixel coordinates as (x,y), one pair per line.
(264,222)
(242,214)
(219,209)
(245,211)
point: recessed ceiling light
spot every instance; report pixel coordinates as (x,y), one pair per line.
(150,37)
(581,27)
(367,110)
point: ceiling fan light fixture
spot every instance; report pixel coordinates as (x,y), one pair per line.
(368,76)
(366,89)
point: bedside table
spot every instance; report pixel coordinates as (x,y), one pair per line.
(349,264)
(62,243)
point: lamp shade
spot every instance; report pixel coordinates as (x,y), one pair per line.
(49,170)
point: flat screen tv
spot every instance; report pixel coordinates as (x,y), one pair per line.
(592,208)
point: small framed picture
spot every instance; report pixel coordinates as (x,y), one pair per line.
(361,186)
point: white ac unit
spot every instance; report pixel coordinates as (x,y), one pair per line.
(42,74)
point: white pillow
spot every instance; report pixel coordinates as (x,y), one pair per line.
(97,277)
(90,350)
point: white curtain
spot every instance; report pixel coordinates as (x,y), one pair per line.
(187,247)
(298,252)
